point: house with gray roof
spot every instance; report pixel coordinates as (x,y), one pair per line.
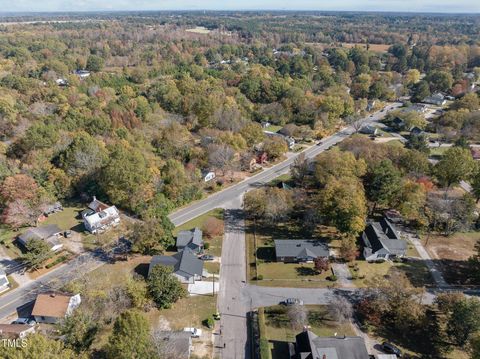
(382,241)
(437,99)
(186,266)
(310,346)
(300,250)
(174,344)
(49,234)
(4,283)
(190,239)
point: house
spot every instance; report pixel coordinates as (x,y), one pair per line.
(191,239)
(61,82)
(177,344)
(49,234)
(248,162)
(4,283)
(417,107)
(82,74)
(16,331)
(475,151)
(437,99)
(208,175)
(382,241)
(290,142)
(369,130)
(186,266)
(52,307)
(300,250)
(262,157)
(265,124)
(100,216)
(310,346)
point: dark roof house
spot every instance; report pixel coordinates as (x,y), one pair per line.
(300,250)
(176,344)
(49,234)
(186,266)
(310,346)
(191,239)
(382,241)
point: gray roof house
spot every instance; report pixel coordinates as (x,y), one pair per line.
(300,250)
(369,130)
(49,234)
(382,241)
(436,99)
(191,239)
(310,346)
(4,283)
(186,266)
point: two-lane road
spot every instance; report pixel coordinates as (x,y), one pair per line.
(219,199)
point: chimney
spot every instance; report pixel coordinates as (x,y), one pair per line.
(94,198)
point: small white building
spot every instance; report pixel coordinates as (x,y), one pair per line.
(100,216)
(208,176)
(52,307)
(82,74)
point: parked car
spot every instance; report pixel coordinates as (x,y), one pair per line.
(194,332)
(25,321)
(67,234)
(206,257)
(319,143)
(292,301)
(389,348)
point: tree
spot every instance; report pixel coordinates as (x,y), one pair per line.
(164,288)
(37,253)
(213,227)
(456,164)
(39,346)
(418,143)
(298,316)
(338,164)
(130,338)
(420,91)
(221,156)
(412,77)
(340,309)
(94,63)
(348,249)
(79,331)
(321,264)
(275,147)
(470,102)
(440,80)
(383,183)
(252,133)
(299,169)
(19,187)
(476,184)
(411,201)
(152,236)
(463,320)
(342,203)
(126,177)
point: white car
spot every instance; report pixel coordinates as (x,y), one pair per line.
(194,332)
(25,321)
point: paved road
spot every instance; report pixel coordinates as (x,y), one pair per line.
(220,198)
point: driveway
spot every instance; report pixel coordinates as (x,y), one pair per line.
(343,274)
(203,288)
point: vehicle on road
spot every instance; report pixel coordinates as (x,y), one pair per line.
(25,321)
(389,348)
(206,257)
(319,143)
(194,332)
(292,301)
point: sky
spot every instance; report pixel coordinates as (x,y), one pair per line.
(445,6)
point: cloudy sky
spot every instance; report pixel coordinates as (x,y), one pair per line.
(463,6)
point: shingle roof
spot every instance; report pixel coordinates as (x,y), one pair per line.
(383,235)
(184,261)
(175,343)
(193,236)
(51,305)
(40,233)
(313,347)
(301,248)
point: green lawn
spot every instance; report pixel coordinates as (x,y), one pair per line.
(278,330)
(416,271)
(216,242)
(438,151)
(273,128)
(68,219)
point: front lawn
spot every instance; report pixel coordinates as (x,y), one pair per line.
(416,271)
(68,219)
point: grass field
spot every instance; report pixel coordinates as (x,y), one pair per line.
(273,128)
(199,30)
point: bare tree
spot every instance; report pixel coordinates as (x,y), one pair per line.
(221,156)
(298,315)
(356,122)
(340,309)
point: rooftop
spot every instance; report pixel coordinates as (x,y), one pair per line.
(51,305)
(301,248)
(184,261)
(309,345)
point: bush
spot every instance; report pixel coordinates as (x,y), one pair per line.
(213,227)
(209,323)
(56,261)
(259,277)
(332,278)
(206,246)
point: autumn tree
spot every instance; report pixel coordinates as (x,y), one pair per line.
(321,264)
(152,236)
(383,183)
(338,164)
(164,288)
(456,164)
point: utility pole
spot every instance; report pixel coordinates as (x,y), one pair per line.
(213,286)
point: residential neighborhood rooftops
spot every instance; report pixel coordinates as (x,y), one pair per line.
(97,205)
(193,236)
(382,237)
(311,346)
(176,344)
(15,330)
(48,233)
(53,305)
(184,262)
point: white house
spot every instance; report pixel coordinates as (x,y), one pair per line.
(83,74)
(100,216)
(208,176)
(51,307)
(4,283)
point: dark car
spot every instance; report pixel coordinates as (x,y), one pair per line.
(206,257)
(389,348)
(292,301)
